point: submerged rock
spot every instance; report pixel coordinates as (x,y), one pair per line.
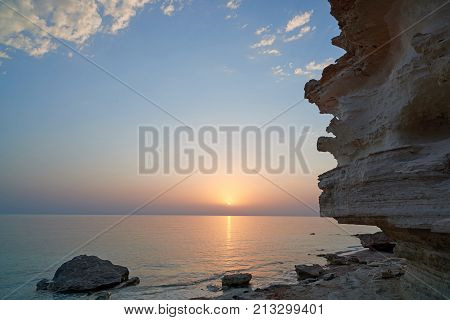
(236,280)
(86,274)
(376,241)
(305,271)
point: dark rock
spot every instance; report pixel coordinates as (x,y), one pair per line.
(86,274)
(236,280)
(334,259)
(305,271)
(43,284)
(377,241)
(103,296)
(329,276)
(391,272)
(312,234)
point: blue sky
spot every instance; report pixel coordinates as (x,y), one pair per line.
(68,130)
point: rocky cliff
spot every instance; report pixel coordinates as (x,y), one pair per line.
(390,98)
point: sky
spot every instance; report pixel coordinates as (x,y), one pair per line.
(68,130)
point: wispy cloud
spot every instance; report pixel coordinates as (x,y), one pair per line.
(279,72)
(303,30)
(301,72)
(264,42)
(4,55)
(312,66)
(231,16)
(168,9)
(271,52)
(227,70)
(73,21)
(261,30)
(298,21)
(233,4)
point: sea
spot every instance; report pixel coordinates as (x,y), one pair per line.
(176,257)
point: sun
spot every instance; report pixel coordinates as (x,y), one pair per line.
(229,203)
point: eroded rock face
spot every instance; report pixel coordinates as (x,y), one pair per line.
(377,241)
(390,98)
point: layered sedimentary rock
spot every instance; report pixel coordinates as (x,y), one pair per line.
(389,95)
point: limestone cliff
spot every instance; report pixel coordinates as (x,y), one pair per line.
(390,98)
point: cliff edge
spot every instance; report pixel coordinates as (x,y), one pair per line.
(390,98)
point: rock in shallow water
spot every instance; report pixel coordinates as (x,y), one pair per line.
(236,280)
(86,274)
(305,271)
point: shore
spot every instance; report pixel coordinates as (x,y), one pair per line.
(365,274)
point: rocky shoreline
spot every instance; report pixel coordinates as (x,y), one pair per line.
(365,274)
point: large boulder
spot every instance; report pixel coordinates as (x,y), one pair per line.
(85,274)
(377,241)
(236,280)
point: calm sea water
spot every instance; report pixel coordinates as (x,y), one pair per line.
(176,257)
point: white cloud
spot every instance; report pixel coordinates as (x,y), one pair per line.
(313,66)
(271,52)
(168,9)
(72,21)
(301,72)
(233,4)
(303,30)
(266,41)
(261,30)
(121,12)
(4,55)
(231,16)
(298,21)
(279,72)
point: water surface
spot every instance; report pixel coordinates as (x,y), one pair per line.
(176,257)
